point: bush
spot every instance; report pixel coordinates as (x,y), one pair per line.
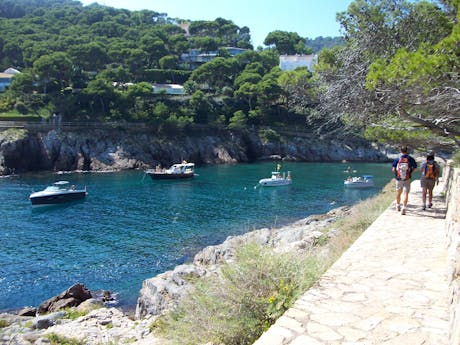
(238,121)
(72,313)
(56,339)
(21,108)
(269,135)
(240,304)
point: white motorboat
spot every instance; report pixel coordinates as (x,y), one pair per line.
(58,193)
(277,179)
(176,171)
(365,181)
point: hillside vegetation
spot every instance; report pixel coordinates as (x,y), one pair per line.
(98,63)
(395,69)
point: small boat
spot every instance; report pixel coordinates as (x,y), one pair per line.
(58,193)
(176,171)
(365,181)
(277,179)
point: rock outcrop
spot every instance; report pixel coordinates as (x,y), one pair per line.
(72,297)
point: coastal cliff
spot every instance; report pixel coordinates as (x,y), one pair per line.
(23,150)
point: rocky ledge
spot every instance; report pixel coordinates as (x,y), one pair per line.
(101,325)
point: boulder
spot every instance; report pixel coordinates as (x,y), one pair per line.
(27,311)
(46,321)
(165,290)
(72,297)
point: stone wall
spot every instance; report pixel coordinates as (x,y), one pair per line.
(452,175)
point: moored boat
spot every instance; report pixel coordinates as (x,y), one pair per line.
(176,171)
(365,181)
(277,179)
(58,193)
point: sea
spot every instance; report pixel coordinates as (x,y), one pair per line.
(130,227)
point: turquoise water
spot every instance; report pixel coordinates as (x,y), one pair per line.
(131,228)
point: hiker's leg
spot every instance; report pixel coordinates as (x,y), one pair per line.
(424,190)
(430,196)
(398,196)
(405,198)
(399,190)
(406,190)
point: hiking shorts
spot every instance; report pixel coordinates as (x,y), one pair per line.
(403,185)
(427,183)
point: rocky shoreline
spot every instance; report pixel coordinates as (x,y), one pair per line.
(99,324)
(23,150)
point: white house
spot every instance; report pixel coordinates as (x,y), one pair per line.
(6,78)
(291,62)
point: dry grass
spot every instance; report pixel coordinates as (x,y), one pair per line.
(363,214)
(238,305)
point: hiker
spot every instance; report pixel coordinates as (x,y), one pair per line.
(430,175)
(403,167)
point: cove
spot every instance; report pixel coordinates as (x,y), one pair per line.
(131,228)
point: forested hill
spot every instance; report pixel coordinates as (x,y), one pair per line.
(98,63)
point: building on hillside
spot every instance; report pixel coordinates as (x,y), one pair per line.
(7,77)
(121,85)
(168,89)
(197,57)
(291,62)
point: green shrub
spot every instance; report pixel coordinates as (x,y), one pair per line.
(73,313)
(238,121)
(4,323)
(13,134)
(240,304)
(269,135)
(56,339)
(21,108)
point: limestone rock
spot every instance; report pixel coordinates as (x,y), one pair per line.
(72,297)
(165,290)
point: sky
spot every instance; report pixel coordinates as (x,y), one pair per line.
(309,18)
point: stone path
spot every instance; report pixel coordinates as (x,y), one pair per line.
(389,287)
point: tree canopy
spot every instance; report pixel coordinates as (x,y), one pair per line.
(400,60)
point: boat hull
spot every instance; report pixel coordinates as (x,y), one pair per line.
(358,185)
(58,198)
(168,176)
(274,183)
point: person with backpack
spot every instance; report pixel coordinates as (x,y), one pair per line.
(430,175)
(403,167)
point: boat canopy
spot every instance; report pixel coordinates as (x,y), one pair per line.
(186,165)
